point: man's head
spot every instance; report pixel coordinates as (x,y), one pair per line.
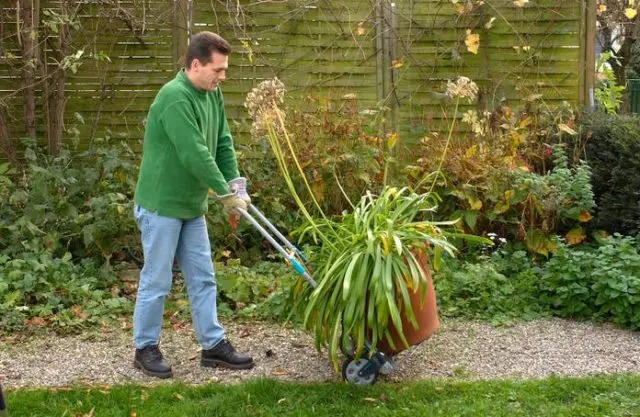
(207,60)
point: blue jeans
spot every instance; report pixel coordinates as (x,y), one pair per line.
(164,238)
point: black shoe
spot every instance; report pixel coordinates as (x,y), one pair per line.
(225,355)
(150,361)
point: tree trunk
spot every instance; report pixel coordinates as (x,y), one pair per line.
(57,91)
(6,143)
(30,18)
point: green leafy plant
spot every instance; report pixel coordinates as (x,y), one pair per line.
(601,282)
(262,291)
(366,259)
(368,266)
(78,203)
(608,93)
(40,290)
(500,288)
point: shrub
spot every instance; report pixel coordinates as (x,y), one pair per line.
(613,152)
(77,203)
(511,175)
(40,290)
(601,282)
(499,288)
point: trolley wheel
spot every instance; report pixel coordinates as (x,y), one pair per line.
(351,369)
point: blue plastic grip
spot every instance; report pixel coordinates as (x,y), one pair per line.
(296,266)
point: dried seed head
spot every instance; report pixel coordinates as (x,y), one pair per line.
(462,88)
(262,105)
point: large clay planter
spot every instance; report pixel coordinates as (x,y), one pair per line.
(426,316)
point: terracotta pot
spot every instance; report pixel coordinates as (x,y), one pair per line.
(426,316)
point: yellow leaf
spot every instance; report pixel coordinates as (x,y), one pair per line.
(470,153)
(508,195)
(360,30)
(392,139)
(396,64)
(281,400)
(248,48)
(371,400)
(516,137)
(533,97)
(630,13)
(489,24)
(602,8)
(585,216)
(501,207)
(525,122)
(318,186)
(472,41)
(567,129)
(178,396)
(575,236)
(464,9)
(520,3)
(475,203)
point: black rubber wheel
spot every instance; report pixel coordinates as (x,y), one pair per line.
(350,370)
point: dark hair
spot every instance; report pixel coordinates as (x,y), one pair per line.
(202,45)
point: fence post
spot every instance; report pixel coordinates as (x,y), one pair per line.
(381,91)
(588,54)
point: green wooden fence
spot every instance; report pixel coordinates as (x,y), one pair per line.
(394,58)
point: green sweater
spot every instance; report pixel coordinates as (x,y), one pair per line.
(187,151)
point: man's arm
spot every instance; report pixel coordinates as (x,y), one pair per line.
(191,147)
(225,152)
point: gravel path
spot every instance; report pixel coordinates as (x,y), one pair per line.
(459,349)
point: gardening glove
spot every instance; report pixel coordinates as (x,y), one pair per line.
(239,186)
(230,203)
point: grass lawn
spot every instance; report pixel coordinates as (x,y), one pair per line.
(593,396)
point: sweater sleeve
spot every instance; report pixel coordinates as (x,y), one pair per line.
(225,152)
(190,145)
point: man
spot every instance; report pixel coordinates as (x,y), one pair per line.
(187,151)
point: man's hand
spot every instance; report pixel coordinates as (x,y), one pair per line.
(230,204)
(239,187)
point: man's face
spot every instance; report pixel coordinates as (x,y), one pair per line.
(208,76)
